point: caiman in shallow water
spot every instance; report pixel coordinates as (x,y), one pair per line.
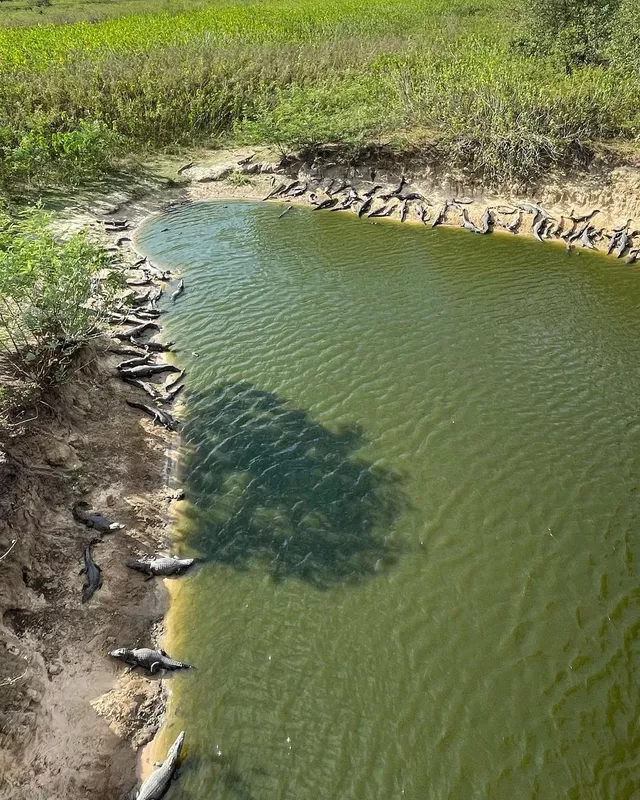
(153,660)
(158,782)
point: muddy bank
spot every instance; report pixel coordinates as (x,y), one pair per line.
(607,194)
(575,210)
(70,720)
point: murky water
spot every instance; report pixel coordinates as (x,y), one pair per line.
(412,464)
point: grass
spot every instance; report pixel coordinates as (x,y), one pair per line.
(298,74)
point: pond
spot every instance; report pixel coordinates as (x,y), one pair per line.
(411,465)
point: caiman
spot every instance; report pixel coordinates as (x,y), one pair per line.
(399,187)
(299,190)
(585,239)
(161,566)
(584,217)
(278,190)
(289,188)
(613,241)
(383,211)
(512,227)
(178,291)
(145,657)
(157,415)
(161,274)
(633,256)
(168,398)
(539,224)
(138,330)
(372,191)
(423,215)
(467,224)
(93,520)
(440,216)
(145,370)
(365,206)
(146,387)
(93,580)
(337,188)
(171,382)
(623,242)
(159,347)
(486,222)
(158,782)
(326,204)
(134,362)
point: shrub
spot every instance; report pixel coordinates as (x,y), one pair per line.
(575,32)
(51,297)
(623,50)
(55,150)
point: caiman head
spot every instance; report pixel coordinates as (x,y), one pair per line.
(120,652)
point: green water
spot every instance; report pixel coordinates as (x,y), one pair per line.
(411,458)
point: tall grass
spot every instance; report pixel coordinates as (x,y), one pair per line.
(300,73)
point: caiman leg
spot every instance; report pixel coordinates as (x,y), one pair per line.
(154,667)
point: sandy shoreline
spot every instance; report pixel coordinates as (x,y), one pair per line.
(70,722)
(68,725)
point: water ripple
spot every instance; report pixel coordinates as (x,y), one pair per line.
(492,385)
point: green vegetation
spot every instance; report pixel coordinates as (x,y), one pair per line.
(51,299)
(574,31)
(452,75)
(16,13)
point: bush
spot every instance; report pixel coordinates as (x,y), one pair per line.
(575,32)
(51,298)
(623,50)
(51,151)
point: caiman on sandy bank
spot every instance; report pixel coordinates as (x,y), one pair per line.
(152,660)
(93,577)
(161,566)
(93,520)
(158,782)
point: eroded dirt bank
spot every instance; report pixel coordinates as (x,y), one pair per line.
(69,717)
(576,210)
(607,193)
(70,720)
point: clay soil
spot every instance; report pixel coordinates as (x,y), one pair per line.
(70,719)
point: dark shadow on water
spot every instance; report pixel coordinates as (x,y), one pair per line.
(267,483)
